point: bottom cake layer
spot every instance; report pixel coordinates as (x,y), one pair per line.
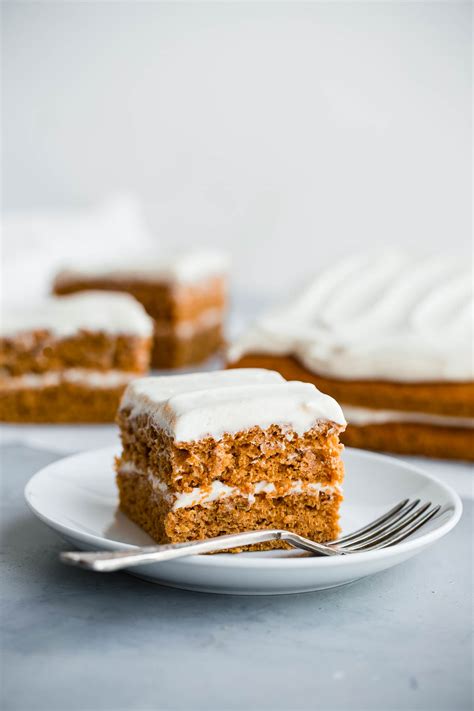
(413,438)
(173,351)
(315,516)
(60,404)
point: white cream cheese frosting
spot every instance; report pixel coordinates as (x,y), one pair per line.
(187,268)
(390,317)
(95,311)
(192,407)
(218,490)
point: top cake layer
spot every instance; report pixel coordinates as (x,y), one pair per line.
(192,407)
(389,317)
(183,269)
(92,311)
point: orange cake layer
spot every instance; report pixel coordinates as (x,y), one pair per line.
(201,458)
(274,455)
(42,351)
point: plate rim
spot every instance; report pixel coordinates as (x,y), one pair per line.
(236,560)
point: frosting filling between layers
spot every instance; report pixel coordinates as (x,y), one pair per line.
(203,496)
(186,329)
(77,376)
(364,416)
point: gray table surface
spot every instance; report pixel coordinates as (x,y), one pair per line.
(73,640)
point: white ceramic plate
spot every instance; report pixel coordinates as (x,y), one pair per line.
(77,497)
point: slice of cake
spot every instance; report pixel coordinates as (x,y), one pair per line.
(229,451)
(391,338)
(69,359)
(185,295)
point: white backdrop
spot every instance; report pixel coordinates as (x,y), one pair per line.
(288,132)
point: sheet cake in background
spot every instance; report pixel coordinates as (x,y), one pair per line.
(391,338)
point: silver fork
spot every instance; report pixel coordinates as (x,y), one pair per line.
(392,527)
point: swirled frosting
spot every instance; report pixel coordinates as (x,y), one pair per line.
(389,317)
(198,405)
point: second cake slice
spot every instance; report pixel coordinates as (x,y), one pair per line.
(229,451)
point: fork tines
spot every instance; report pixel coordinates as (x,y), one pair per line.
(394,526)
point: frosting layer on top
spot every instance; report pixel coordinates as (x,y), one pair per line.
(187,268)
(95,311)
(192,407)
(390,317)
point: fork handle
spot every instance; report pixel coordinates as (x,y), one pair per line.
(109,561)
